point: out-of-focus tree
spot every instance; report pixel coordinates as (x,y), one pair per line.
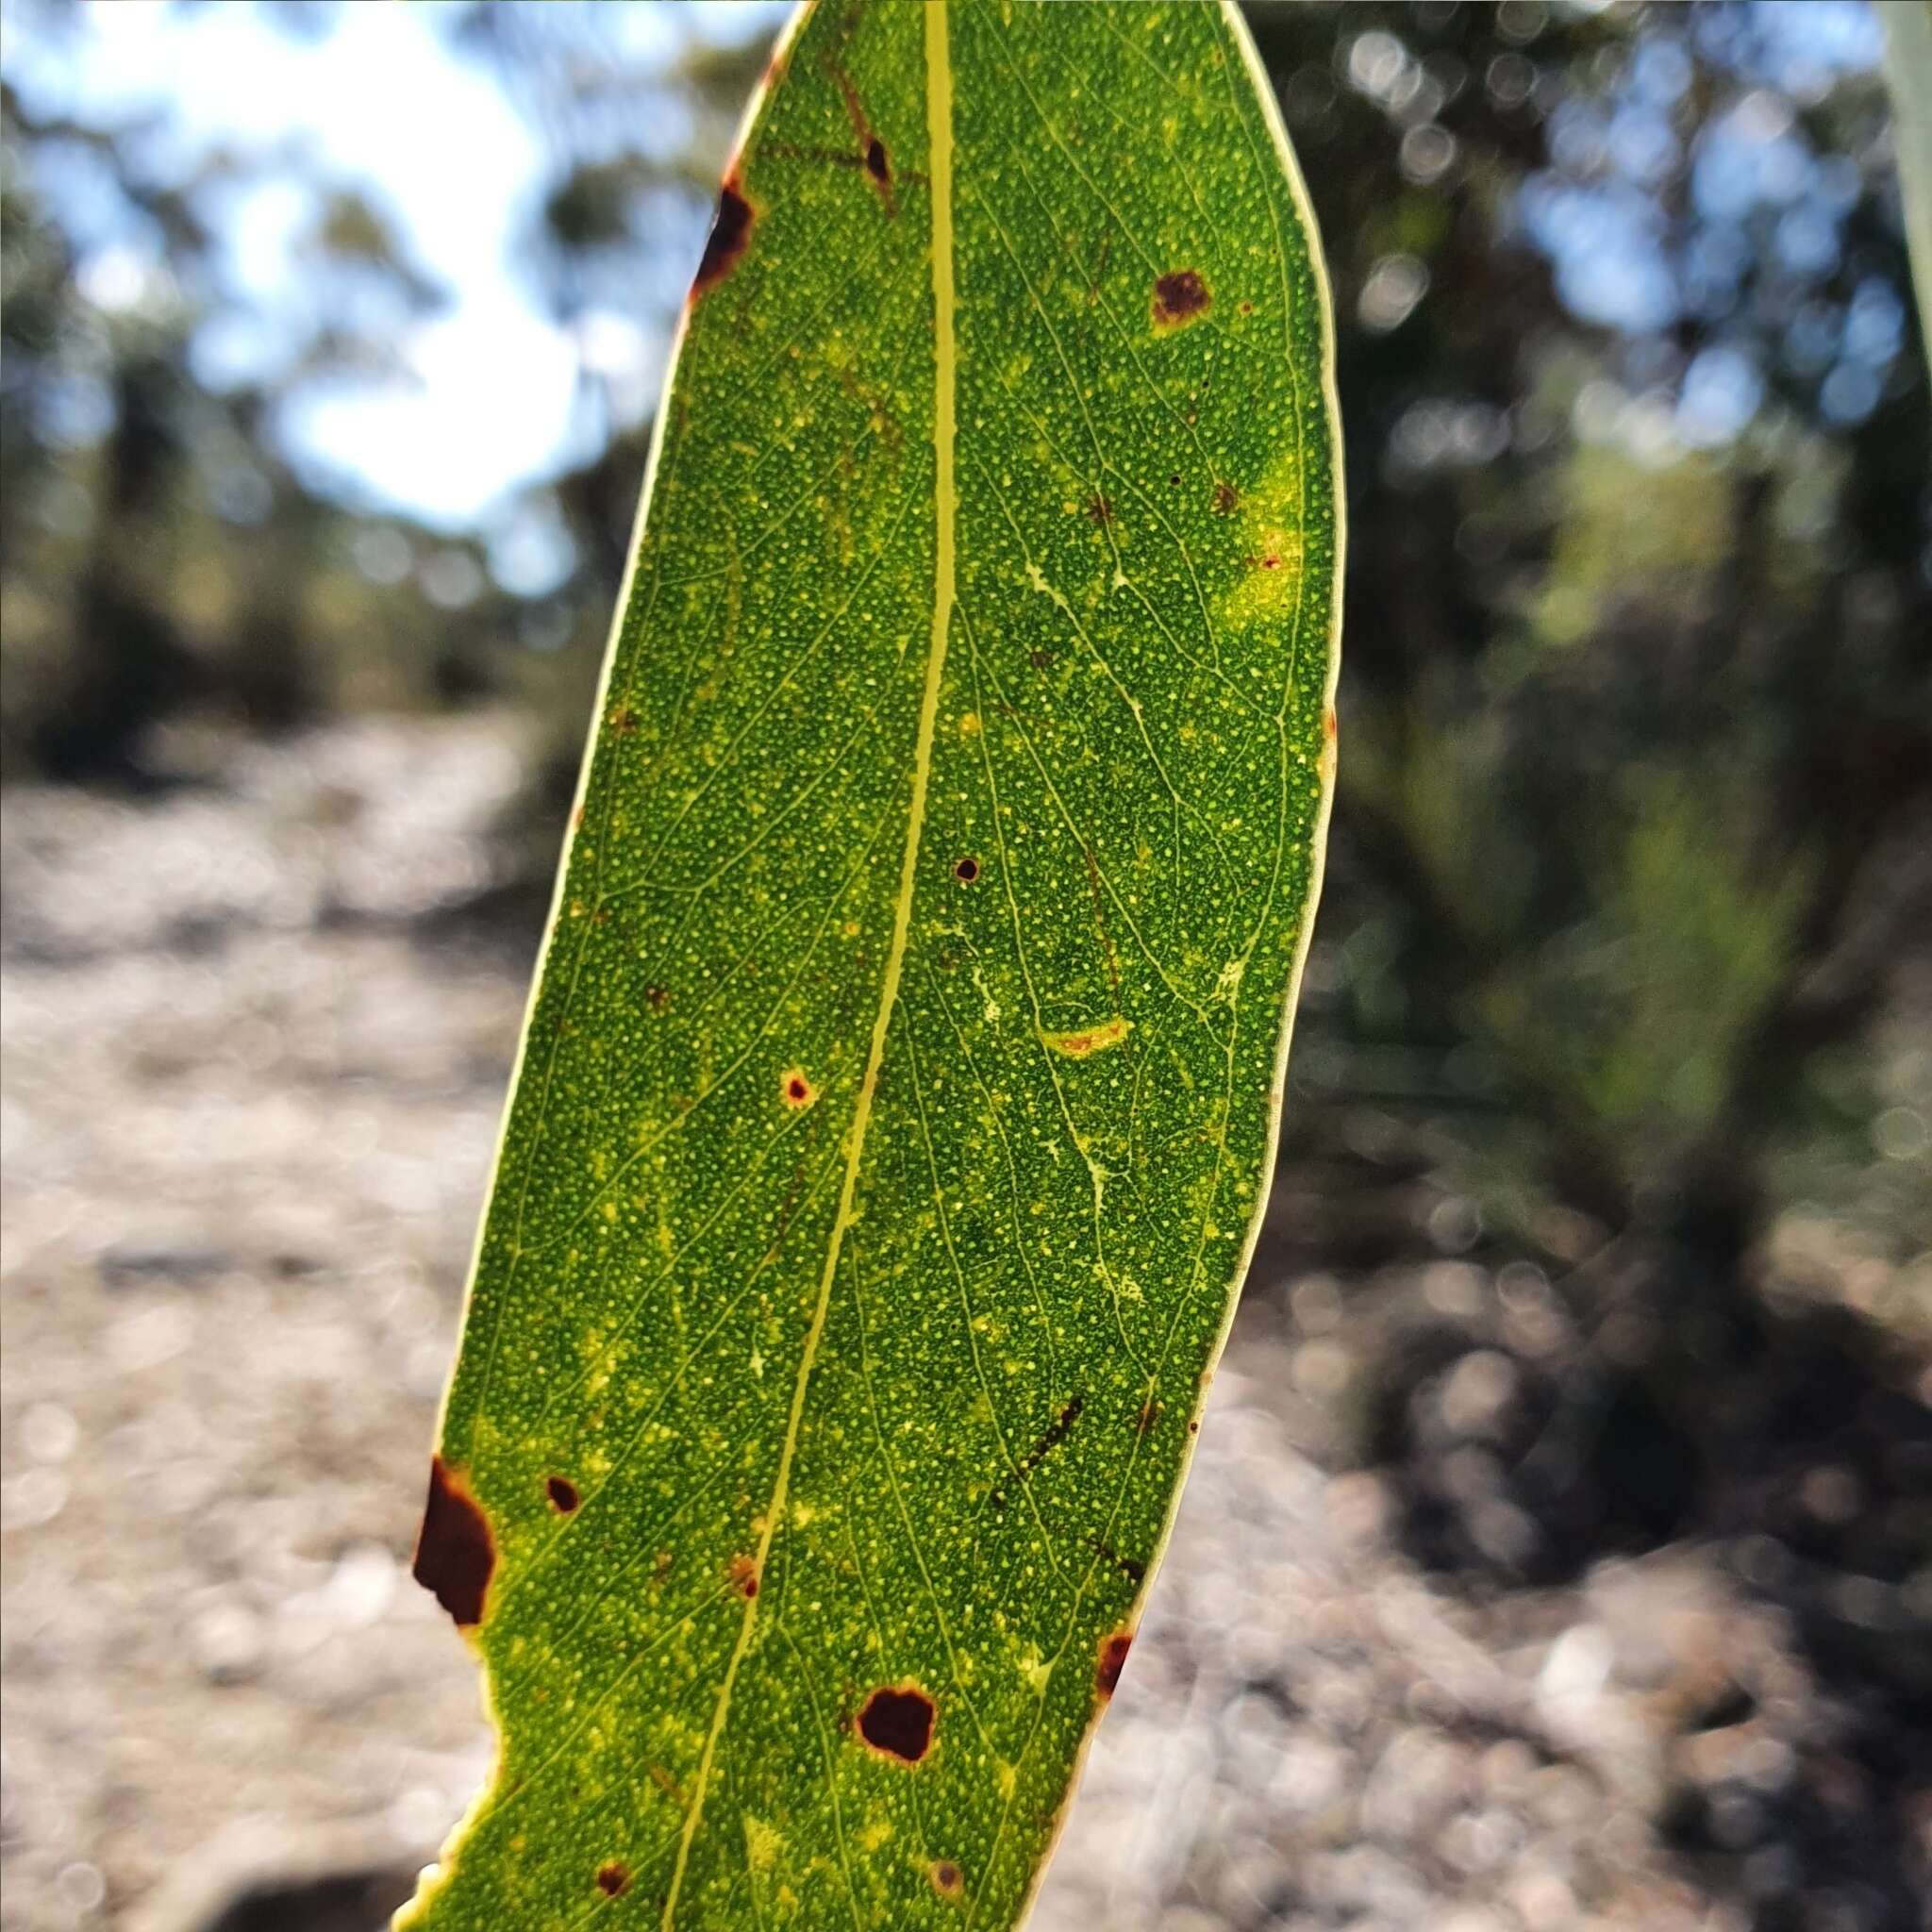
(1624,953)
(166,549)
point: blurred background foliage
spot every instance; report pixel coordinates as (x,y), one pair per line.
(1637,702)
(1621,977)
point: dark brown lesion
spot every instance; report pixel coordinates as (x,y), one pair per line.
(870,155)
(1129,1567)
(1179,296)
(612,1878)
(898,1722)
(947,1879)
(456,1554)
(1113,1660)
(966,869)
(730,233)
(563,1493)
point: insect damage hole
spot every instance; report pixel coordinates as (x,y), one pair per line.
(897,1722)
(795,1089)
(563,1493)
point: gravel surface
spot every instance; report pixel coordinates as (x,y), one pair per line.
(252,1069)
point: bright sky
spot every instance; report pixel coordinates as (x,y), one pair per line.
(436,145)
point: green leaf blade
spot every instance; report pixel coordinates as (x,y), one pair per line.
(899,1094)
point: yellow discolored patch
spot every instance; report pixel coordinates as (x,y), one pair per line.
(762,1844)
(1270,566)
(1084,1040)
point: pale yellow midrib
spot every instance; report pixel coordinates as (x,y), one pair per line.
(938,122)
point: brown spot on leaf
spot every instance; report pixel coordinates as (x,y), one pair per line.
(947,1879)
(1100,509)
(796,1089)
(612,1878)
(1129,1567)
(1149,1415)
(657,998)
(730,232)
(1328,726)
(455,1551)
(623,719)
(898,1722)
(744,1577)
(966,869)
(1225,499)
(1179,296)
(563,1493)
(1113,1660)
(1039,660)
(870,147)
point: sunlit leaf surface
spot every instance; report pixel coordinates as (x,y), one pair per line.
(900,1089)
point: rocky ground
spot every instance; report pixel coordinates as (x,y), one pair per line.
(254,1050)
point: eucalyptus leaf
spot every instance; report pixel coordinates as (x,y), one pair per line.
(899,1094)
(1909,49)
